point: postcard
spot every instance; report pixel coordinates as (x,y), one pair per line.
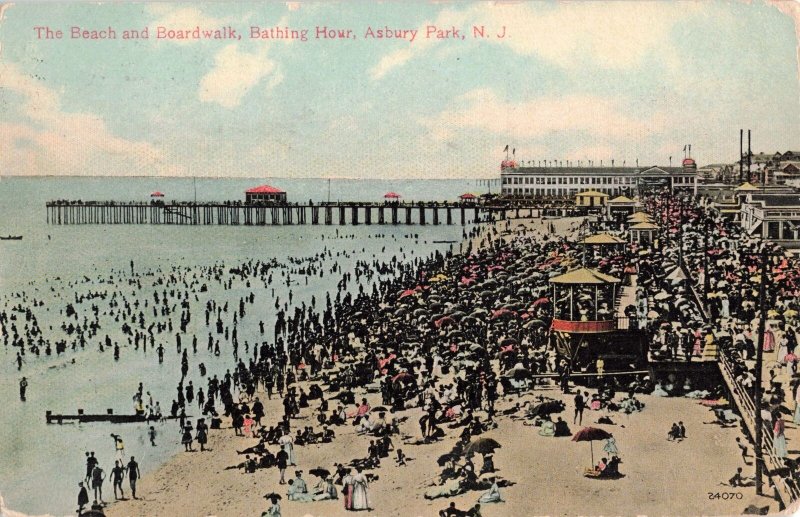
(399,259)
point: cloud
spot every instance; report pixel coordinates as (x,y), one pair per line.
(46,140)
(234,74)
(421,44)
(613,35)
(3,8)
(391,61)
(482,109)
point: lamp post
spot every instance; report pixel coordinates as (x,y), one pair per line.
(762,321)
(706,277)
(680,234)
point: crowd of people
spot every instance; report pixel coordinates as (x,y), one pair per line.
(448,335)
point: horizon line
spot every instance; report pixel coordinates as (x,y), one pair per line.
(347,178)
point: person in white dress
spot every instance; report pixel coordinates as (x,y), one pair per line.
(287,444)
(360,494)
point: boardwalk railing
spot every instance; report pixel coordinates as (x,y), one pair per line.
(788,493)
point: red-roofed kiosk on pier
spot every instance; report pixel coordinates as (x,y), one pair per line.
(264,194)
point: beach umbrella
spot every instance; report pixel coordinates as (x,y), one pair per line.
(271,495)
(435,306)
(344,394)
(402,376)
(445,458)
(444,322)
(482,446)
(534,323)
(320,472)
(590,434)
(518,373)
(546,408)
(379,409)
(502,313)
(407,292)
(779,408)
(391,195)
(157,194)
(541,301)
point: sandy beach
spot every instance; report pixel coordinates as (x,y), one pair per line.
(661,477)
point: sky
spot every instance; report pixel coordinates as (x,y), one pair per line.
(568,81)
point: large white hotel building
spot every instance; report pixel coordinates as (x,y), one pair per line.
(521,181)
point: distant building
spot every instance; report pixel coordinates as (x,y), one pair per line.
(591,198)
(265,194)
(620,207)
(716,172)
(787,173)
(520,181)
(772,216)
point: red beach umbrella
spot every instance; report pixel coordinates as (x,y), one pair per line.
(392,195)
(590,434)
(157,194)
(403,376)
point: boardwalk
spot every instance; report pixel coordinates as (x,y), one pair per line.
(339,213)
(747,409)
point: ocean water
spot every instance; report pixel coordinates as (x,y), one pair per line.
(40,464)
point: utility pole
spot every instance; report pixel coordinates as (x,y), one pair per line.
(749,156)
(680,235)
(706,277)
(741,156)
(762,322)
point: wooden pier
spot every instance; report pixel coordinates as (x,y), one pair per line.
(108,416)
(235,214)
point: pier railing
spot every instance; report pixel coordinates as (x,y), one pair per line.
(61,212)
(788,492)
(261,214)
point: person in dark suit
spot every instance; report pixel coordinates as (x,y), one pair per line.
(83,498)
(580,404)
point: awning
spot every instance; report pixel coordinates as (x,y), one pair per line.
(584,275)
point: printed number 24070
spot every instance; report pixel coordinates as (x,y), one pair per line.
(724,495)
